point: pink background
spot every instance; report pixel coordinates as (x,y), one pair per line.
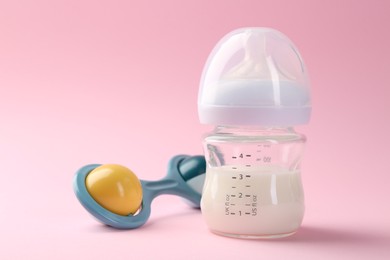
(116,81)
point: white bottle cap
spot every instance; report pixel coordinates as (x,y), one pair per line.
(254,76)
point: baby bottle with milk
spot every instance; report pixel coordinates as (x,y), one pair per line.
(254,90)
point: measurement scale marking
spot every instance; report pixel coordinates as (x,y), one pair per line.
(239,176)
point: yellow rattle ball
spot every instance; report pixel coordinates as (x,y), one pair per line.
(116,188)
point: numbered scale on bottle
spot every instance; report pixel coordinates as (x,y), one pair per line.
(243,200)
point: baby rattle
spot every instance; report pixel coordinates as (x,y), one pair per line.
(116,197)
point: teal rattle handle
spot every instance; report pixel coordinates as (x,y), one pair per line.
(181,169)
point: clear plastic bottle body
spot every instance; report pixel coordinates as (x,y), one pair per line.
(253,186)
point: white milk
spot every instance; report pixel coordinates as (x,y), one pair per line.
(252,201)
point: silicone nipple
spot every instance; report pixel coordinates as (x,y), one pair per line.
(116,188)
(254,63)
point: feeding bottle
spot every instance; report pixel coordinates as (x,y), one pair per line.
(254,89)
